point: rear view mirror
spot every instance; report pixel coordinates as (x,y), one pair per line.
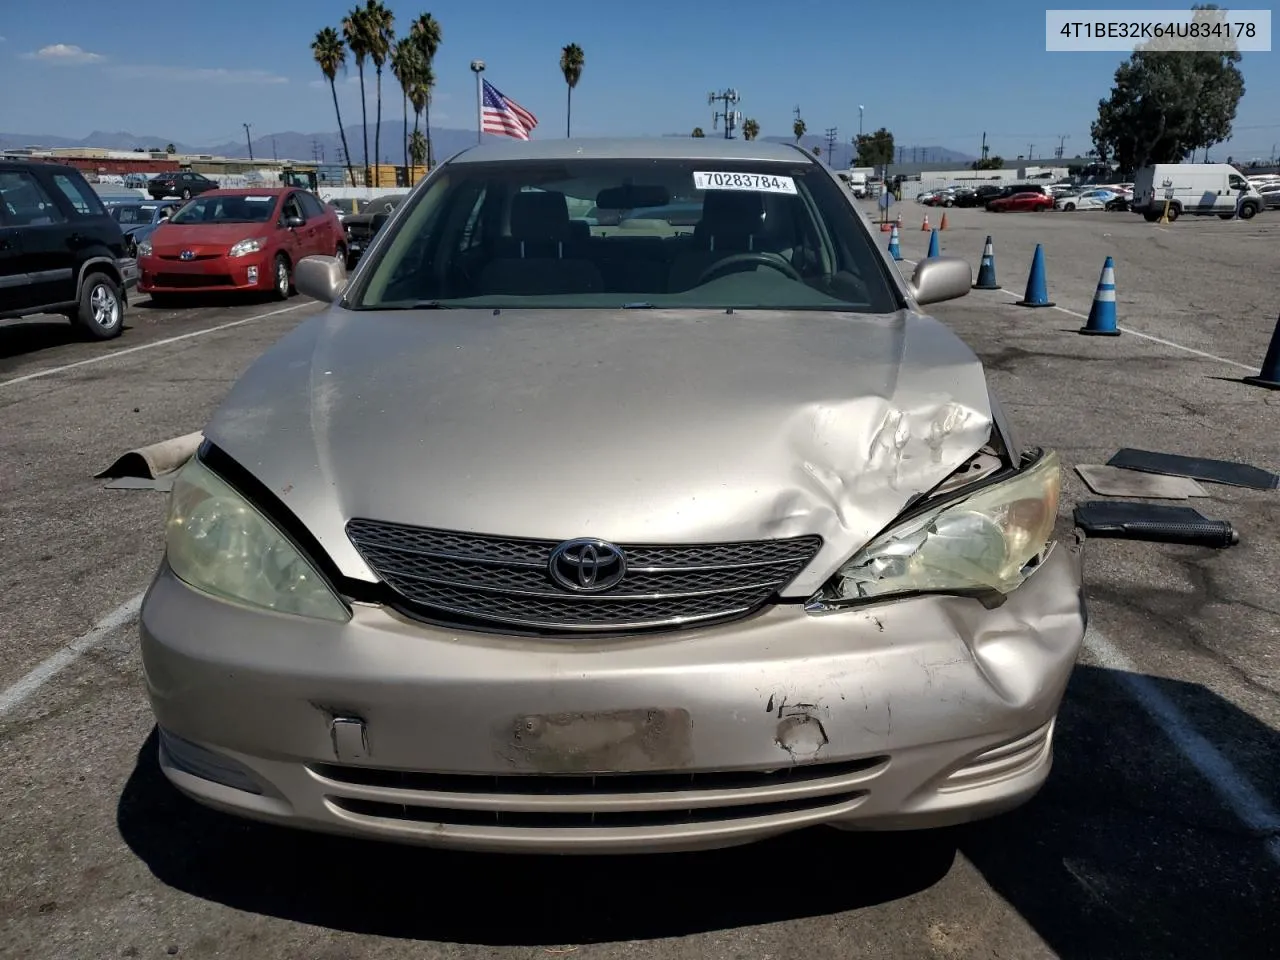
(941,278)
(321,278)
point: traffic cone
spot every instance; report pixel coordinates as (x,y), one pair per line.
(943,224)
(1102,315)
(899,219)
(925,226)
(1037,294)
(894,250)
(987,269)
(1269,377)
(934,249)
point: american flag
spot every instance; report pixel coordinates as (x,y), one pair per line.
(504,116)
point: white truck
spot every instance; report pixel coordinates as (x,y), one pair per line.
(1200,189)
(855,180)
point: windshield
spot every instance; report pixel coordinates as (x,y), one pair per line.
(233,208)
(134,214)
(687,233)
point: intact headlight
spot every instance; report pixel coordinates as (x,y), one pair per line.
(987,541)
(246,247)
(217,542)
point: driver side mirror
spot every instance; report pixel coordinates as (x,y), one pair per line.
(940,278)
(293,222)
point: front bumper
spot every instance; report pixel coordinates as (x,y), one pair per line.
(913,713)
(205,276)
(129,272)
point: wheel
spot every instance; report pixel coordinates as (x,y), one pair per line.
(101,312)
(1247,210)
(1173,214)
(1068,206)
(283,282)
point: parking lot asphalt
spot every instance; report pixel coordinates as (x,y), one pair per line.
(1156,836)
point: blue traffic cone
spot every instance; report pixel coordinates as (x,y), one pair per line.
(1037,294)
(1102,315)
(934,249)
(894,250)
(1270,375)
(987,269)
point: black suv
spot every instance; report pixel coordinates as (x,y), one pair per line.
(184,184)
(60,251)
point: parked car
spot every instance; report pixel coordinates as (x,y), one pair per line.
(1089,200)
(979,195)
(807,577)
(1270,193)
(238,240)
(185,184)
(1021,201)
(60,250)
(361,227)
(139,220)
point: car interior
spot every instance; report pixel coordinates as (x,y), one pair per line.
(655,242)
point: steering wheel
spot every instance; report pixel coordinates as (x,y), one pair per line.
(763,258)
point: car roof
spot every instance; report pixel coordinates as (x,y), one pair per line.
(247,191)
(632,148)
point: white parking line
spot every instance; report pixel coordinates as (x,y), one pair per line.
(1241,797)
(14,696)
(148,346)
(1137,333)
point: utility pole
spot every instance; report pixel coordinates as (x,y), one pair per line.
(1031,147)
(860,109)
(248,139)
(273,150)
(730,117)
(831,143)
(1062,139)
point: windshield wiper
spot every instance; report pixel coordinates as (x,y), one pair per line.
(417,305)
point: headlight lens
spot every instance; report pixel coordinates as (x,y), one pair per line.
(983,542)
(246,247)
(144,248)
(219,543)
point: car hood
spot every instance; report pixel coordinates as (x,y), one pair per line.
(174,237)
(633,426)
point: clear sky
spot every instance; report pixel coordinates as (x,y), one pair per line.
(934,73)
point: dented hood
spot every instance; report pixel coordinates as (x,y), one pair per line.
(635,426)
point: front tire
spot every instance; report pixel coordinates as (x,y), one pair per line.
(101,312)
(282,280)
(1068,206)
(1247,211)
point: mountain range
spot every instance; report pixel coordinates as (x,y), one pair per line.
(446,141)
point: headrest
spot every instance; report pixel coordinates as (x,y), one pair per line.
(731,213)
(539,215)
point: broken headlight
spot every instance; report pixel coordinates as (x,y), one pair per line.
(218,542)
(988,540)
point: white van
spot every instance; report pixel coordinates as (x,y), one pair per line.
(855,181)
(1198,188)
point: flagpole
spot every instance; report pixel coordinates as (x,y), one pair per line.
(477,67)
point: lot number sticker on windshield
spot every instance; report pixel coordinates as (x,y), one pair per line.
(758,182)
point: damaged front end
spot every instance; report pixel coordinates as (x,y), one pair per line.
(981,532)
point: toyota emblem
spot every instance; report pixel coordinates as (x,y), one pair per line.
(188,255)
(587,565)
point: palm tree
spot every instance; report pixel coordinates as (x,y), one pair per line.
(419,94)
(798,128)
(572,60)
(418,148)
(404,65)
(355,28)
(331,56)
(750,129)
(427,35)
(697,132)
(382,36)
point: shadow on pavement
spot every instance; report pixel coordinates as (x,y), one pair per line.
(29,336)
(1125,853)
(197,301)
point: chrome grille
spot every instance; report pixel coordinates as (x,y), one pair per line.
(501,580)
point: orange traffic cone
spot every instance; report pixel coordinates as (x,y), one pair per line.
(943,224)
(925,226)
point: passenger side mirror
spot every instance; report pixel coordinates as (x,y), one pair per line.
(941,278)
(293,222)
(321,278)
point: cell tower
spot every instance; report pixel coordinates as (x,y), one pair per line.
(731,118)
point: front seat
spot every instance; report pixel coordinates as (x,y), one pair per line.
(730,222)
(542,255)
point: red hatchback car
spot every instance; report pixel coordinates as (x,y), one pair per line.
(1021,201)
(238,240)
